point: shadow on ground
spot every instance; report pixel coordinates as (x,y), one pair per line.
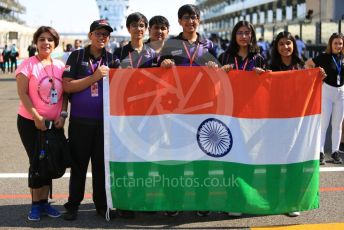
(88,219)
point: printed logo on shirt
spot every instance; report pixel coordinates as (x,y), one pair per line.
(67,68)
(84,63)
(176,52)
(147,55)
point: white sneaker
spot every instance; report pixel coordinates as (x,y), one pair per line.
(234,214)
(293,214)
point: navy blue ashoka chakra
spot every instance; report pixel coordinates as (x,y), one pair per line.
(214,138)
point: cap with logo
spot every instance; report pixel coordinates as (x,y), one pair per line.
(98,24)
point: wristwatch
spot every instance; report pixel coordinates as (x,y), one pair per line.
(64,114)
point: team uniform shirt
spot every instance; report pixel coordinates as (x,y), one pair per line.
(45,87)
(183,53)
(283,67)
(157,54)
(130,57)
(88,103)
(330,64)
(249,63)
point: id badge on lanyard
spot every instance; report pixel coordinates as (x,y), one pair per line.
(339,68)
(243,66)
(94,90)
(94,86)
(132,61)
(53,96)
(191,59)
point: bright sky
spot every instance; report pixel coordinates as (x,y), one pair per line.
(77,15)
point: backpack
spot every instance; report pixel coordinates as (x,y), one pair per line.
(52,155)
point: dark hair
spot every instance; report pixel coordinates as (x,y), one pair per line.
(275,55)
(188,9)
(233,48)
(136,17)
(46,29)
(159,20)
(69,47)
(329,44)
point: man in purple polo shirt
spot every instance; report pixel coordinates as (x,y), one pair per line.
(82,79)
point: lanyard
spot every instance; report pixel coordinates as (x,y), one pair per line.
(91,64)
(191,59)
(51,77)
(236,64)
(132,61)
(339,68)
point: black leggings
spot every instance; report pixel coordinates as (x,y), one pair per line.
(28,134)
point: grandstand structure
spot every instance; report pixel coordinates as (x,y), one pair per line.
(115,12)
(12,29)
(313,20)
(10,10)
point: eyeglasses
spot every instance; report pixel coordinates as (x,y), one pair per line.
(138,26)
(188,17)
(100,34)
(242,33)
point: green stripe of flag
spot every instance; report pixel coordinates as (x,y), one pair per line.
(215,186)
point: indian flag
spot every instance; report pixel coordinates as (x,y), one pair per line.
(196,138)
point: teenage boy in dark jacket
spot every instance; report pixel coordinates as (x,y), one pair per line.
(188,48)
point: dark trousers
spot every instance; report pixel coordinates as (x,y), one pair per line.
(86,142)
(2,66)
(7,64)
(28,135)
(13,64)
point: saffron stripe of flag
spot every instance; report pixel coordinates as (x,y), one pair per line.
(209,91)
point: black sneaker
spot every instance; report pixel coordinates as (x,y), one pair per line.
(203,213)
(126,214)
(322,158)
(70,214)
(336,158)
(171,213)
(102,213)
(341,147)
(149,212)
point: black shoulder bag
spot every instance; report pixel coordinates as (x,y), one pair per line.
(52,154)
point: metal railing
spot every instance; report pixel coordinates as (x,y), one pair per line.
(314,50)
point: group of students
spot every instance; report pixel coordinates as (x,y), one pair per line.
(45,85)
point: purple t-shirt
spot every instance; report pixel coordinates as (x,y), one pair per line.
(87,103)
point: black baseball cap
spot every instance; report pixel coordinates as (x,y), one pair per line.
(98,24)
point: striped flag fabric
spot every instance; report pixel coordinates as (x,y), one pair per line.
(197,138)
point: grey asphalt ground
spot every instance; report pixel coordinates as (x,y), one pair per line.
(13,211)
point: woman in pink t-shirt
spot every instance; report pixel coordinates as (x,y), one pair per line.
(39,86)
